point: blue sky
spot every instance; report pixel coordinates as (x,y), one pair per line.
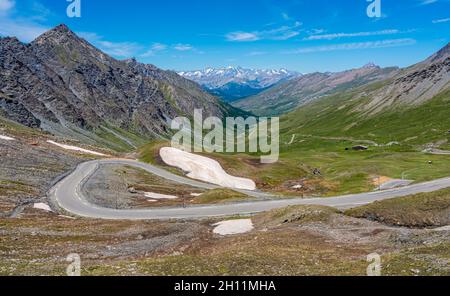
(302,35)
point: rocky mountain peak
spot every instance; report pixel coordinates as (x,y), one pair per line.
(442,54)
(63,84)
(10,43)
(370,65)
(61,28)
(9,40)
(59,34)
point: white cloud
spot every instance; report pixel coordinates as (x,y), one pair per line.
(39,12)
(356,45)
(132,49)
(187,48)
(242,36)
(183,47)
(156,47)
(280,33)
(119,49)
(89,36)
(439,21)
(358,34)
(116,49)
(285,16)
(316,31)
(6,5)
(24,30)
(427,2)
(159,46)
(256,53)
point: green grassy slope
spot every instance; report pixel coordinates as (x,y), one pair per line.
(323,130)
(335,116)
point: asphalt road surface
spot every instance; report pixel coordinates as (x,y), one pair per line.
(67,195)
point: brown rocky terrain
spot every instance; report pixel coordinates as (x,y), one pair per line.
(292,241)
(414,85)
(64,85)
(29,167)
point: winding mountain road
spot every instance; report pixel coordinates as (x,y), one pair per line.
(67,195)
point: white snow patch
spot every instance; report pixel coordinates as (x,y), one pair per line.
(42,206)
(204,169)
(159,196)
(233,227)
(196,194)
(67,217)
(74,148)
(6,138)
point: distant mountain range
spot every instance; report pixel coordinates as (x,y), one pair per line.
(233,83)
(290,95)
(64,85)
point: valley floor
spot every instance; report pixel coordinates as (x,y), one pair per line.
(302,240)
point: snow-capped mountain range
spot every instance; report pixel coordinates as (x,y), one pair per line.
(215,78)
(233,83)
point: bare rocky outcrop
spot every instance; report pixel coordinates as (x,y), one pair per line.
(60,83)
(17,112)
(414,85)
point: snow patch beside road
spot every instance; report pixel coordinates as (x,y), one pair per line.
(6,138)
(233,227)
(77,149)
(204,169)
(158,196)
(42,206)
